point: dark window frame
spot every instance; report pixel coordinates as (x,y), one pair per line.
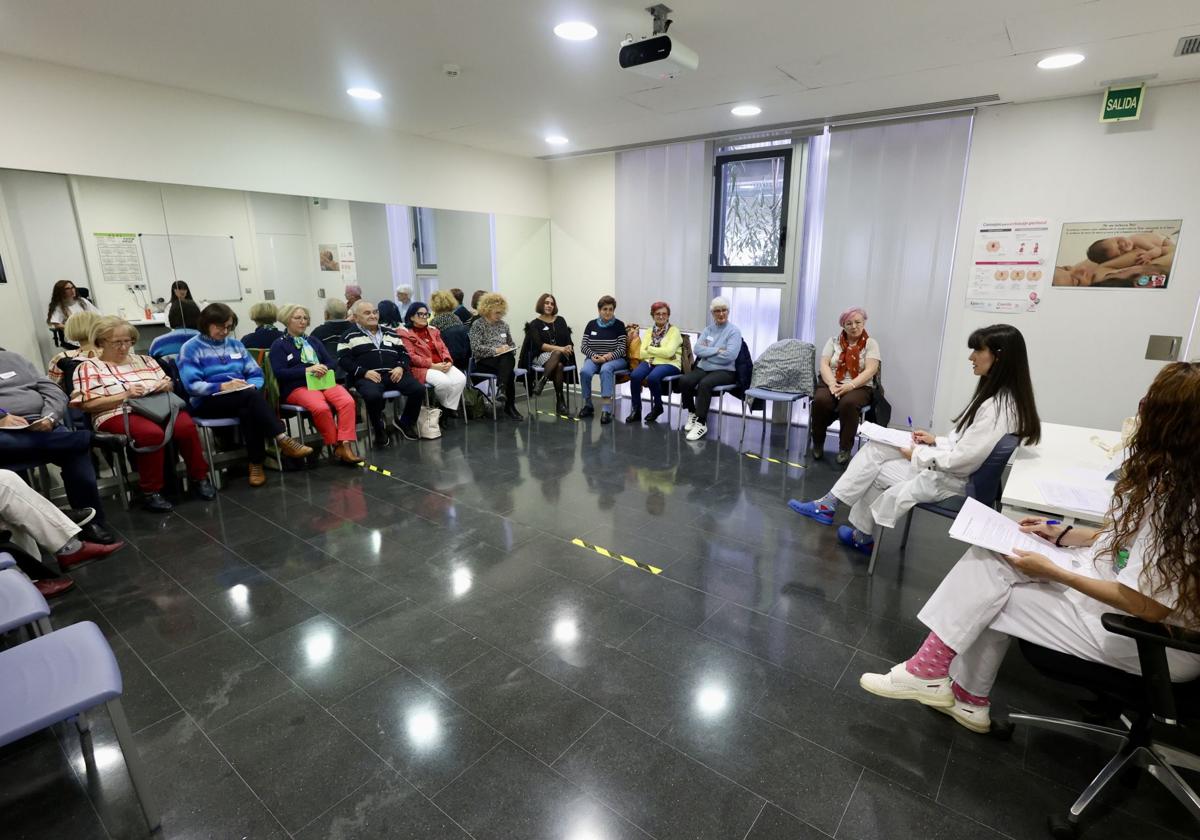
(718,211)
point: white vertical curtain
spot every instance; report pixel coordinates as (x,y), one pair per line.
(892,198)
(662,232)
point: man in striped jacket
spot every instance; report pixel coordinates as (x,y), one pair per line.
(375,361)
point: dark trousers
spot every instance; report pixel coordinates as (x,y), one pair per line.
(372,394)
(697,387)
(69,451)
(847,408)
(256,418)
(33,568)
(503,366)
(653,376)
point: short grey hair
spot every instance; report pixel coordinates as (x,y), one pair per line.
(718,303)
(335,309)
(407,289)
(359,305)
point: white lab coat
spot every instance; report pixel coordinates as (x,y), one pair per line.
(61,313)
(881,486)
(983,601)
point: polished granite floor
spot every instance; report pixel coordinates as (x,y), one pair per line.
(344,654)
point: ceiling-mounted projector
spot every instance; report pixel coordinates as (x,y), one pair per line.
(658,55)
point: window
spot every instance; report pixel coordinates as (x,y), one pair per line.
(750,212)
(424,237)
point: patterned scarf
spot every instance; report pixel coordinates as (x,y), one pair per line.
(307,354)
(656,334)
(850,360)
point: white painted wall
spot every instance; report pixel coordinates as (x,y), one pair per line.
(523,270)
(582,235)
(85,123)
(1053,160)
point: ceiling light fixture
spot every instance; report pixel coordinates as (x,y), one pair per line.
(364,93)
(1057,62)
(746,111)
(557,140)
(575,30)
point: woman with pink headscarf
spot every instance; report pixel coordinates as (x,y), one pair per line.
(849,365)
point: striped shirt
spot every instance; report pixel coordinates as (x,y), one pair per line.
(360,351)
(205,364)
(600,340)
(95,378)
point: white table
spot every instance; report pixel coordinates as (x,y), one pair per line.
(1062,448)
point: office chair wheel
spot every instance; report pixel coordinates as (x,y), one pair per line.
(1062,828)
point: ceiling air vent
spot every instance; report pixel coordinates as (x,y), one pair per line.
(1188,45)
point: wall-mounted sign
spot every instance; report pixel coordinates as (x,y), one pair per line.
(1123,103)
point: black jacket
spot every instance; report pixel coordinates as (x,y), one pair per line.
(357,353)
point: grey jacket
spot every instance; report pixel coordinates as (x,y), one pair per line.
(788,365)
(26,391)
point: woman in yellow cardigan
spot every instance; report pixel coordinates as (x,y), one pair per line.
(662,347)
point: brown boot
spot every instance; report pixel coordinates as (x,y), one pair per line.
(292,448)
(258,477)
(344,453)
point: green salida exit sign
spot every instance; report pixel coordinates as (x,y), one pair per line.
(1123,103)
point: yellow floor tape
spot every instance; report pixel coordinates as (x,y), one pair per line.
(604,552)
(374,468)
(559,416)
(774,461)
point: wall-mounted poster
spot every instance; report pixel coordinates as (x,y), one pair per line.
(346,263)
(328,257)
(1117,255)
(1009,265)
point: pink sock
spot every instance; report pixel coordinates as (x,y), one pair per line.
(965,696)
(932,661)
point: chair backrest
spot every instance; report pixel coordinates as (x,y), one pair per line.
(983,485)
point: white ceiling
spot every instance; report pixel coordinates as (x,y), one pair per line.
(798,60)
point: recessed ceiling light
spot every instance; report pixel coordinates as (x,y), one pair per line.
(575,30)
(364,93)
(556,140)
(1057,62)
(746,111)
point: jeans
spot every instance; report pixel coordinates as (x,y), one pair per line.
(608,377)
(653,376)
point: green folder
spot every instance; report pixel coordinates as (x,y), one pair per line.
(320,383)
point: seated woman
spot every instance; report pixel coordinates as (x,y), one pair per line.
(264,314)
(549,341)
(849,363)
(662,352)
(65,301)
(103,385)
(1144,562)
(443,304)
(493,349)
(294,357)
(78,331)
(605,347)
(182,311)
(883,482)
(716,352)
(224,381)
(389,314)
(431,362)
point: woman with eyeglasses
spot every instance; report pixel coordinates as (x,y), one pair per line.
(102,387)
(65,301)
(431,361)
(225,381)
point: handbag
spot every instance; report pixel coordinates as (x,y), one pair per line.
(161,408)
(429,423)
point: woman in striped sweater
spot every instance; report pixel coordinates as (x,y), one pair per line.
(604,348)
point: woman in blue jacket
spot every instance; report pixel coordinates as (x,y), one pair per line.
(225,382)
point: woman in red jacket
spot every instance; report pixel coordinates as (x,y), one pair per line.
(431,362)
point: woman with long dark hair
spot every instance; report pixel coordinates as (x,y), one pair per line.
(1144,562)
(883,482)
(183,310)
(65,302)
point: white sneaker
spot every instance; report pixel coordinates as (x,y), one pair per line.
(691,422)
(976,718)
(898,684)
(697,431)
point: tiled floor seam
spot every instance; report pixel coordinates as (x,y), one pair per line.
(754,822)
(846,810)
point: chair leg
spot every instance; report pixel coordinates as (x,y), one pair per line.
(742,437)
(1106,736)
(44,628)
(907,525)
(82,724)
(1173,782)
(878,540)
(1107,774)
(133,763)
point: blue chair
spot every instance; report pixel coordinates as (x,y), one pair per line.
(983,486)
(474,379)
(60,676)
(6,561)
(206,425)
(21,604)
(720,391)
(767,396)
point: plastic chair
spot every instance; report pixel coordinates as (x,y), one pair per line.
(719,392)
(206,425)
(767,395)
(571,376)
(474,378)
(983,485)
(21,604)
(60,676)
(6,561)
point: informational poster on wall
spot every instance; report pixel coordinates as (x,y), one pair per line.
(346,263)
(327,256)
(1009,265)
(120,257)
(1117,255)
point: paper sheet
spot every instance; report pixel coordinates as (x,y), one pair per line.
(882,434)
(320,383)
(979,525)
(1069,496)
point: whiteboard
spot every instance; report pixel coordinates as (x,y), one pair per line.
(208,264)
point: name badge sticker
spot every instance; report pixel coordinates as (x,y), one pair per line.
(595,333)
(235,355)
(8,374)
(291,356)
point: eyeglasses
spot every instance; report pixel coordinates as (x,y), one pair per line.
(120,342)
(722,309)
(226,327)
(421,314)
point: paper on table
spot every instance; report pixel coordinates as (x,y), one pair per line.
(882,434)
(979,525)
(1062,494)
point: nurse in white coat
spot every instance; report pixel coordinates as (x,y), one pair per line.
(1145,562)
(882,482)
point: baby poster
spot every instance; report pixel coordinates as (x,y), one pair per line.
(1116,255)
